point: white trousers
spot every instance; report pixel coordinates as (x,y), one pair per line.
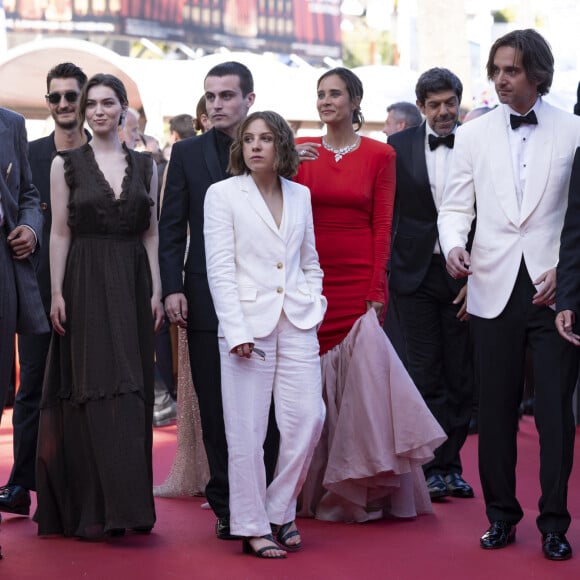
(291,373)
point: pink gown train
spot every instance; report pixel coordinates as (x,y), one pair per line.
(377,435)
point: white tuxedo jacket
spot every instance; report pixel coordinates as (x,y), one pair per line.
(256,270)
(481,176)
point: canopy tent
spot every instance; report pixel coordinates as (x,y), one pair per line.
(164,88)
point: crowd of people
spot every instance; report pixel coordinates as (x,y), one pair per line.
(279,260)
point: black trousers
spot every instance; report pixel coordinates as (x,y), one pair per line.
(500,349)
(33,350)
(205,369)
(439,360)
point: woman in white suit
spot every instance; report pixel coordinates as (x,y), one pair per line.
(266,284)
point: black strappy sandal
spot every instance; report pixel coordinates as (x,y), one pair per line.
(248,549)
(283,535)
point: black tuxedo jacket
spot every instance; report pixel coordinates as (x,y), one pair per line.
(193,167)
(415,223)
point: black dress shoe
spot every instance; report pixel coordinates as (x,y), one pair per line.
(498,535)
(222,530)
(555,546)
(437,486)
(457,486)
(14,499)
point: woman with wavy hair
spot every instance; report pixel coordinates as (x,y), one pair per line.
(266,285)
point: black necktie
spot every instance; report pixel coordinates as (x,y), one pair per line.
(529,119)
(435,141)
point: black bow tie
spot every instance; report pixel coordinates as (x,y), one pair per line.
(435,141)
(529,119)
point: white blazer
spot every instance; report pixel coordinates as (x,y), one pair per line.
(481,176)
(256,270)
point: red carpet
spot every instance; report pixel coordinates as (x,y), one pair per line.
(182,545)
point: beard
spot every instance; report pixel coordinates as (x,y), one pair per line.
(66,125)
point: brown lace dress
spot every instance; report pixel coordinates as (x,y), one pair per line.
(94,471)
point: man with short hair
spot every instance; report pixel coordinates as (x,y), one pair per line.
(181,127)
(64,84)
(428,301)
(195,164)
(514,165)
(401,115)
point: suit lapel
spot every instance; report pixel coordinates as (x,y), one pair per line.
(540,161)
(499,152)
(255,199)
(419,165)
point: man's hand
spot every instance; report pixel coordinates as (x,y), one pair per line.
(22,242)
(458,263)
(461,298)
(547,293)
(565,323)
(176,309)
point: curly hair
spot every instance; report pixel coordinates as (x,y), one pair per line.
(536,57)
(286,160)
(354,88)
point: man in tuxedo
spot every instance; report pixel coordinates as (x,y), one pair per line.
(195,164)
(428,301)
(514,164)
(21,308)
(64,83)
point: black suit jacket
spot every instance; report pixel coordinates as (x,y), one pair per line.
(41,153)
(415,223)
(568,271)
(193,167)
(20,204)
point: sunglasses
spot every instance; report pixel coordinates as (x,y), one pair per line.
(70,96)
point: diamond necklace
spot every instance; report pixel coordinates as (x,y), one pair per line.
(340,153)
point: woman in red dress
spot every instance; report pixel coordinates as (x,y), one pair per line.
(365,465)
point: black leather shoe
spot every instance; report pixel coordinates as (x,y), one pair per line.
(555,546)
(14,499)
(222,530)
(436,486)
(457,486)
(498,535)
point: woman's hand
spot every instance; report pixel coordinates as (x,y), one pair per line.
(243,350)
(378,307)
(58,314)
(158,313)
(307,151)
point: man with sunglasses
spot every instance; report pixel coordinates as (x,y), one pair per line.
(64,84)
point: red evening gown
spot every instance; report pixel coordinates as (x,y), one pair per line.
(378,431)
(352,206)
